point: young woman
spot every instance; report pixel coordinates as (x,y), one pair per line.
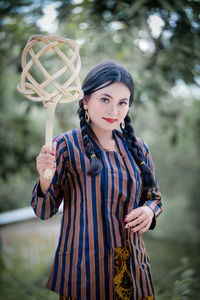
(107,181)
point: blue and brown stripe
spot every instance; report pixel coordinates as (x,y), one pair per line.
(92,223)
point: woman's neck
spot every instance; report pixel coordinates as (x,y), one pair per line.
(103,135)
(106,139)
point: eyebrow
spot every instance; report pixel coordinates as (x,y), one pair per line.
(109,96)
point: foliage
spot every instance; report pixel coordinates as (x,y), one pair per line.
(166,114)
(185,283)
(177,39)
(166,108)
(24,285)
(175,274)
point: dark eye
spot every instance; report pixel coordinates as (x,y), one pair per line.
(104,99)
(123,103)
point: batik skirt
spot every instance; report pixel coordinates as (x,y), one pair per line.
(122,276)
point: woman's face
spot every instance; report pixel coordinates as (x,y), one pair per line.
(108,106)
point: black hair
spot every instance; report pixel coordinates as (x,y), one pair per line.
(99,77)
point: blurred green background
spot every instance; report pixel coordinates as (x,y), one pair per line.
(158,42)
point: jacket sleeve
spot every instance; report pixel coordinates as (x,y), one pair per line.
(152,196)
(46,205)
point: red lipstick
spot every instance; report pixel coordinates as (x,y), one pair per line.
(109,120)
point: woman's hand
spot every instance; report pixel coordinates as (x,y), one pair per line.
(46,160)
(140,219)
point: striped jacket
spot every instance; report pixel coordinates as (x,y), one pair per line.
(94,208)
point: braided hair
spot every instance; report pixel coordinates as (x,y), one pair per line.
(99,77)
(138,155)
(95,165)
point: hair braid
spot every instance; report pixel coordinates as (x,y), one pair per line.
(95,165)
(128,133)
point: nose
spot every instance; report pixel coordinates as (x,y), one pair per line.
(113,110)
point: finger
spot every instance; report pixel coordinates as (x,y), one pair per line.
(139,227)
(44,160)
(45,149)
(145,228)
(135,222)
(48,165)
(54,146)
(45,164)
(135,213)
(46,156)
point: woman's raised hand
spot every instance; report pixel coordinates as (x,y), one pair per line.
(139,219)
(46,160)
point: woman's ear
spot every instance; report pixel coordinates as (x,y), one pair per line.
(84,101)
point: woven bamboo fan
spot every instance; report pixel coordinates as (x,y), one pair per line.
(63,86)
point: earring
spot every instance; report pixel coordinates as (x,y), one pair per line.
(87,118)
(123,125)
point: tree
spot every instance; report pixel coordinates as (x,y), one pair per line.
(177,40)
(161,62)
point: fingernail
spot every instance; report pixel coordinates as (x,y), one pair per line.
(127,225)
(132,230)
(124,221)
